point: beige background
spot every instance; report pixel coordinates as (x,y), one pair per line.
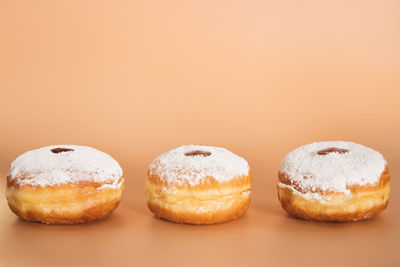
(137,78)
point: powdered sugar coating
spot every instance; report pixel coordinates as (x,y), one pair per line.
(307,195)
(42,167)
(334,171)
(174,167)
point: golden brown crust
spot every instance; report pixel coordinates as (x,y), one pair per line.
(364,201)
(88,215)
(205,218)
(207,203)
(63,204)
(310,215)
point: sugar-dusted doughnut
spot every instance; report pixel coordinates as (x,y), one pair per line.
(64,184)
(198,185)
(334,181)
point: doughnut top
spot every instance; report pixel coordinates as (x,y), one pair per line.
(191,165)
(62,164)
(333,166)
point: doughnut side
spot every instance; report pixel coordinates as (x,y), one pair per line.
(210,203)
(63,204)
(362,203)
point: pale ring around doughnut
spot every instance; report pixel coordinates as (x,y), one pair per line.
(198,185)
(334,182)
(64,184)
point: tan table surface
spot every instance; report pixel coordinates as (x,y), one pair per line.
(137,78)
(264,236)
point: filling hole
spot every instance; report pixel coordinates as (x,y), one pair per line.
(198,153)
(61,149)
(332,150)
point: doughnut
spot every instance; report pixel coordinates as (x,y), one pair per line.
(64,184)
(198,185)
(333,182)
